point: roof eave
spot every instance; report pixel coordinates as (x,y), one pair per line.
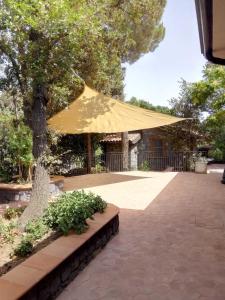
(204,11)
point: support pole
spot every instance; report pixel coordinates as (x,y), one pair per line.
(89,154)
(125,150)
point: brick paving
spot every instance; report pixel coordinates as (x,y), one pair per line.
(171,247)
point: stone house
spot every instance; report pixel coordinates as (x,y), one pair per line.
(149,145)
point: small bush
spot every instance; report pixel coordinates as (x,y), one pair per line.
(24,248)
(36,229)
(216,154)
(13,212)
(7,231)
(71,211)
(145,166)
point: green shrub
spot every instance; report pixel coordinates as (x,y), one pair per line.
(16,149)
(24,248)
(145,166)
(13,212)
(7,231)
(71,210)
(217,154)
(36,229)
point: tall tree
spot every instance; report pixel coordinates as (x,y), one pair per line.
(210,94)
(185,135)
(47,45)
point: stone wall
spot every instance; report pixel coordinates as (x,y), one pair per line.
(20,192)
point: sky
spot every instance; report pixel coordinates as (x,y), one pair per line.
(155,76)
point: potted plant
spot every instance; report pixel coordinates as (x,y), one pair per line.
(200,164)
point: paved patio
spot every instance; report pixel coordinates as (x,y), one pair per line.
(171,244)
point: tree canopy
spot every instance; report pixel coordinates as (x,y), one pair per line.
(147,105)
(47,46)
(57,41)
(209,93)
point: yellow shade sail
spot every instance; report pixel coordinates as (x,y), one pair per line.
(93,112)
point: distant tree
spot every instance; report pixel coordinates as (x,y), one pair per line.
(185,135)
(183,106)
(148,105)
(46,46)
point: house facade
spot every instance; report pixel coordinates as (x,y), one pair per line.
(149,148)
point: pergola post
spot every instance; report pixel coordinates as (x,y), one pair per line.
(125,150)
(89,153)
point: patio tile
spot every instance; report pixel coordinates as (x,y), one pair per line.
(170,249)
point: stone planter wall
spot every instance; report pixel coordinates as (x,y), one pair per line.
(22,192)
(45,274)
(200,167)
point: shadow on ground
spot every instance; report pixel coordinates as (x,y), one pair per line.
(91,180)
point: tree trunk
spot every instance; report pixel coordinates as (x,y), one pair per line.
(125,150)
(40,188)
(89,154)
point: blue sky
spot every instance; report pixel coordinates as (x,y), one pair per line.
(155,76)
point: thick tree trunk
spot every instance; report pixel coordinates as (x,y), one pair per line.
(89,153)
(125,150)
(40,189)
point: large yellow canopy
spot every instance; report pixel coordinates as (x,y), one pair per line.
(93,112)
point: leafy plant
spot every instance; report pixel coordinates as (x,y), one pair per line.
(15,149)
(217,154)
(36,229)
(13,212)
(145,166)
(71,210)
(7,231)
(24,248)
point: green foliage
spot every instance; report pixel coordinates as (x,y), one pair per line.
(210,94)
(185,136)
(7,231)
(13,212)
(98,168)
(36,229)
(182,136)
(24,248)
(71,210)
(183,106)
(145,166)
(148,105)
(15,148)
(216,154)
(47,46)
(210,91)
(52,42)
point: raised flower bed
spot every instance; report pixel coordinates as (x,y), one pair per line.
(44,274)
(10,192)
